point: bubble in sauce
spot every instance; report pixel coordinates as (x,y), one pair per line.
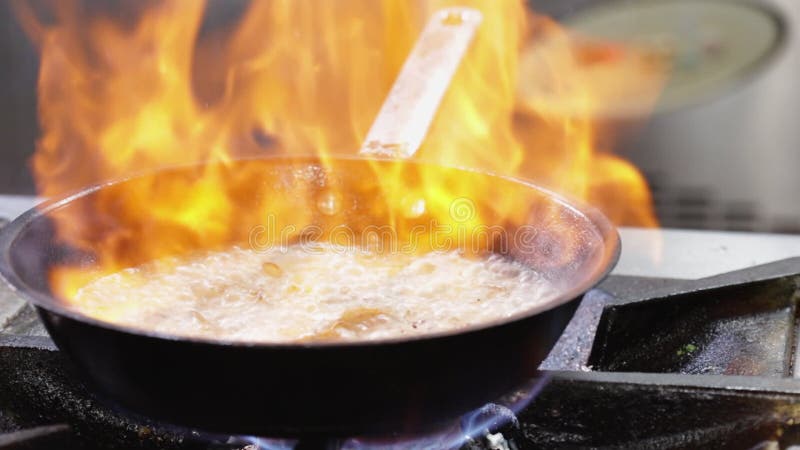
(329,203)
(412,206)
(271,269)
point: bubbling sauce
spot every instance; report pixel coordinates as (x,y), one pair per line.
(313,293)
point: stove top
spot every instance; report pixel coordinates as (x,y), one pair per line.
(651,359)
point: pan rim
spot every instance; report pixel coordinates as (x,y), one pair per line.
(609,235)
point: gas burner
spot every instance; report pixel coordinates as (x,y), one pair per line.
(474,430)
(645,362)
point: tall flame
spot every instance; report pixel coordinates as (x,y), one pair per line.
(156,86)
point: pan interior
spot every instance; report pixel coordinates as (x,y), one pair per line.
(279,201)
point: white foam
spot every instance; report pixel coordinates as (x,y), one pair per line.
(321,293)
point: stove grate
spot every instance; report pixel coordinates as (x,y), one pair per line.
(644,363)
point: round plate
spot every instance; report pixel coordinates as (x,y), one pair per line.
(709,45)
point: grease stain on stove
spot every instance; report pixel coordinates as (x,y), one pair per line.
(687,349)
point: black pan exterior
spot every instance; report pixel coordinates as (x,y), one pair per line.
(349,390)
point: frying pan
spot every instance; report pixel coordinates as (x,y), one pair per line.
(338,388)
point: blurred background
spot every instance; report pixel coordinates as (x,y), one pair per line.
(719,152)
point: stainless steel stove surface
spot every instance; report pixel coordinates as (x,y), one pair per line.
(691,343)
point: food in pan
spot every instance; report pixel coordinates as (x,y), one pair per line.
(312,293)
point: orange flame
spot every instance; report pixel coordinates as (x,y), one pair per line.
(155,87)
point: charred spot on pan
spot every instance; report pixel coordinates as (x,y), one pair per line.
(262,139)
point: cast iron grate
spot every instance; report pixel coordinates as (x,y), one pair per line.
(746,329)
(645,363)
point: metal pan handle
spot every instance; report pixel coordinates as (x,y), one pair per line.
(409,109)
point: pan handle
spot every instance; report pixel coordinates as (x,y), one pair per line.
(409,109)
